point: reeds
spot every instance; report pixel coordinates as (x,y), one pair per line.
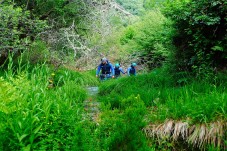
(199,135)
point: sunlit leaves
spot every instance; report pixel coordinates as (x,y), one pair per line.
(151,36)
(9,96)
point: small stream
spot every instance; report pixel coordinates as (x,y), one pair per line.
(92,90)
(91,106)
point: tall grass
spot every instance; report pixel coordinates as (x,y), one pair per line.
(120,129)
(200,101)
(196,107)
(35,116)
(42,109)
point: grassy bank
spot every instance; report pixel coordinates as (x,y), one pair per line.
(194,114)
(200,101)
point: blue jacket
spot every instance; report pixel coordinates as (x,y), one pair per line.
(118,71)
(105,69)
(131,71)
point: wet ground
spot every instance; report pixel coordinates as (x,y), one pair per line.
(92,90)
(91,105)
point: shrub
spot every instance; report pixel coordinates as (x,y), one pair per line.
(200,37)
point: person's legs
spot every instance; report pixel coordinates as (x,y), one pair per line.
(102,77)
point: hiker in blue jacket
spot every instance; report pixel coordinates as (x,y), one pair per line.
(118,70)
(106,68)
(132,70)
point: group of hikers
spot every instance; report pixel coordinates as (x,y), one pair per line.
(110,71)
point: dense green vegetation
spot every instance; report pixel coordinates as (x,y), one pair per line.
(42,109)
(179,106)
(198,101)
(200,37)
(48,53)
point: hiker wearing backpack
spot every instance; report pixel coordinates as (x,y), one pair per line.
(106,68)
(118,70)
(132,70)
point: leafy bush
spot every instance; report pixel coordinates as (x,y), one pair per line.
(129,34)
(17,30)
(201,35)
(151,36)
(38,53)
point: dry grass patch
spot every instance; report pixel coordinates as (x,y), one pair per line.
(197,135)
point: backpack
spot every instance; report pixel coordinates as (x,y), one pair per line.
(132,70)
(117,71)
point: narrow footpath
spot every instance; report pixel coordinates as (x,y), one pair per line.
(91,105)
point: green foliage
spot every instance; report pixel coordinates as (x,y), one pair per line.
(64,75)
(128,35)
(201,35)
(133,6)
(199,101)
(152,4)
(151,36)
(35,117)
(147,86)
(120,129)
(62,11)
(17,30)
(37,54)
(78,92)
(9,96)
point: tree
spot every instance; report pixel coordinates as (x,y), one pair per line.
(17,30)
(202,35)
